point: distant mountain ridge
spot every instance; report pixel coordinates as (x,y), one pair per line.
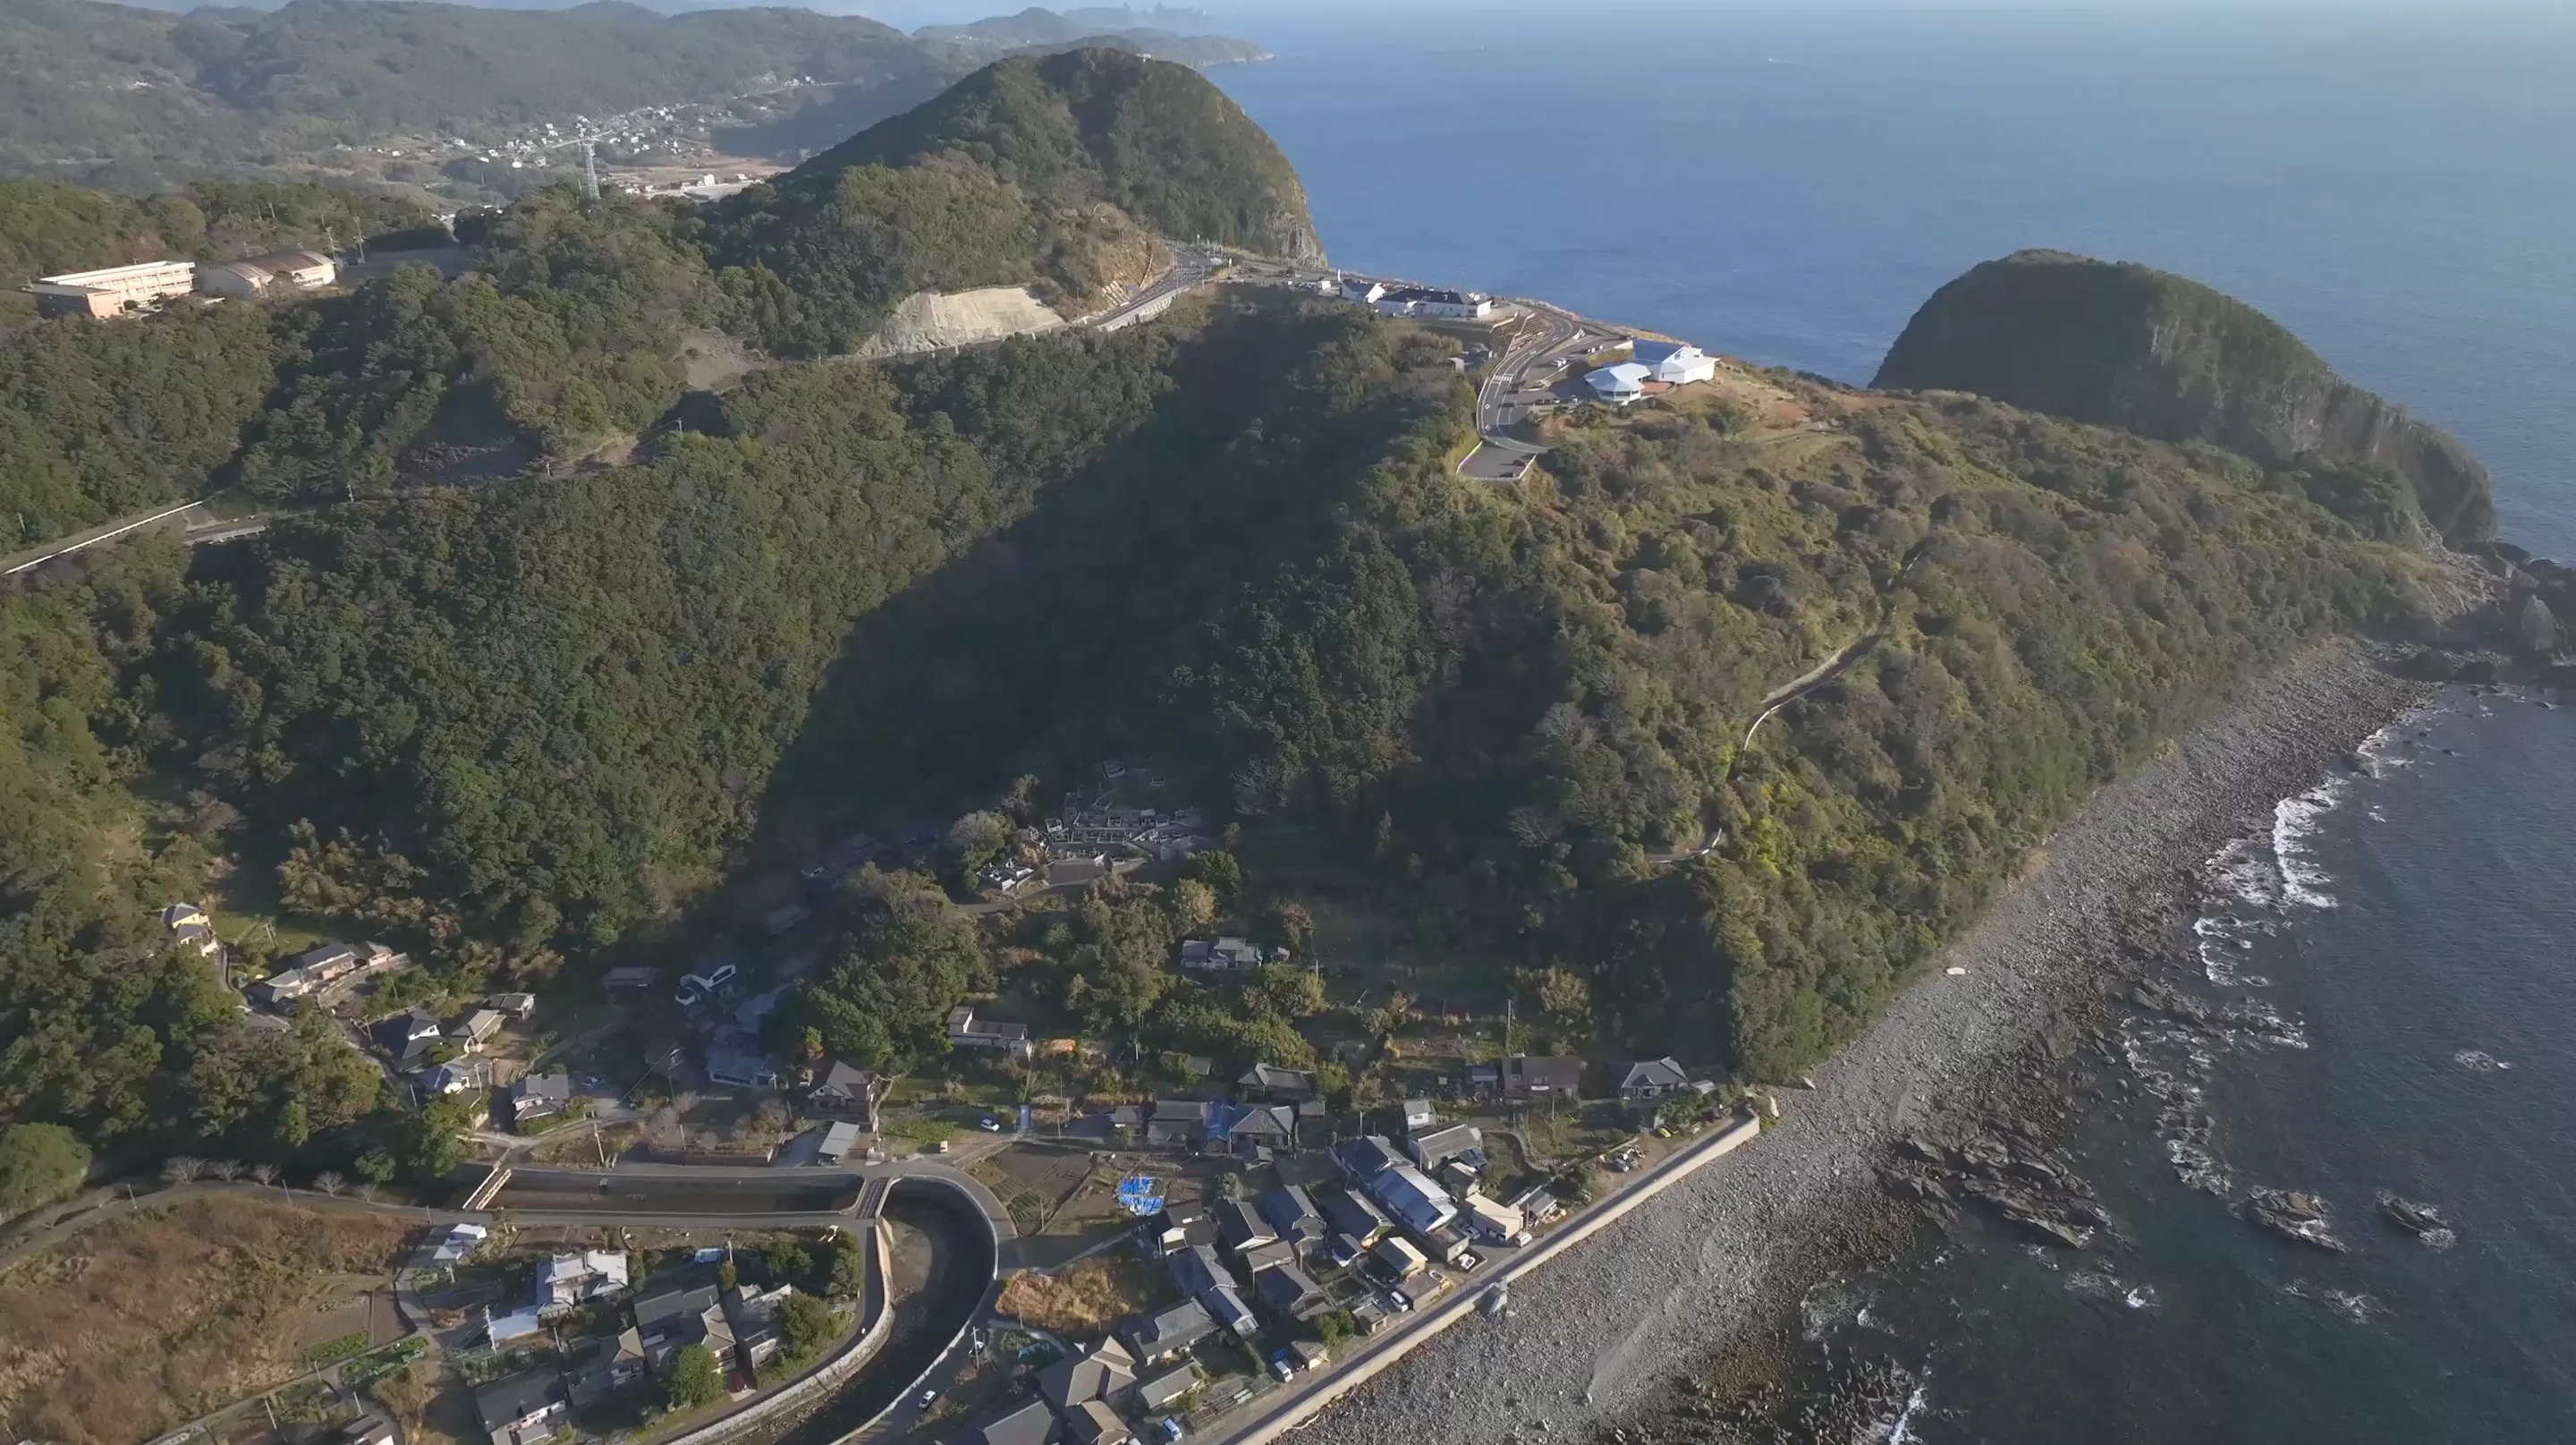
(399,91)
(2129,346)
(1124,29)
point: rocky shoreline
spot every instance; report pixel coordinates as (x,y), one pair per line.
(1681,1323)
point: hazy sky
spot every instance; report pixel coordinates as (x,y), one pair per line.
(1253,14)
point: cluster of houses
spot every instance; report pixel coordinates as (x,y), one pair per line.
(1262,1121)
(1086,1396)
(1247,1269)
(131,290)
(316,969)
(446,1057)
(1653,367)
(742,1327)
(1090,841)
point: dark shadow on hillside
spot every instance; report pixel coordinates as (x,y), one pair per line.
(1048,646)
(832,115)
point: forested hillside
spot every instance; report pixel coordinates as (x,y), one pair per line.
(2164,356)
(541,720)
(565,334)
(1029,170)
(131,99)
(410,92)
(551,717)
(1524,698)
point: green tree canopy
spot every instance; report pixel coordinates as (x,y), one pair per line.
(696,1378)
(39,1163)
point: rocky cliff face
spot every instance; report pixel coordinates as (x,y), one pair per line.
(2156,354)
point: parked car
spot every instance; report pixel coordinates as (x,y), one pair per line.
(1283,1368)
(990,1125)
(698,986)
(923,1401)
(1468,1260)
(938,1146)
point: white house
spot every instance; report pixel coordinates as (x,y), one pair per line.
(1621,384)
(457,1246)
(1675,363)
(966,1031)
(568,1279)
(1362,290)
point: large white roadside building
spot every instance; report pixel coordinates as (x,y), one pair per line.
(1659,364)
(1676,363)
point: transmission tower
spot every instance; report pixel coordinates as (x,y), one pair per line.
(590,170)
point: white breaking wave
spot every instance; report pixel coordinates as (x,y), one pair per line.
(1901,1429)
(2350,1304)
(2294,821)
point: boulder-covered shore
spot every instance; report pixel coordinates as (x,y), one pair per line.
(1618,1337)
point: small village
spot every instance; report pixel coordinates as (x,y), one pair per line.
(1186,1242)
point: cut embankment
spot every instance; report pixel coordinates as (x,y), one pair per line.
(932,321)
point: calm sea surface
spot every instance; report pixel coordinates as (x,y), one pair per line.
(2400,189)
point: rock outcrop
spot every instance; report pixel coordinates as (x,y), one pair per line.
(2150,352)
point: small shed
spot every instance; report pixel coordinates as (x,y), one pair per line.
(840,1141)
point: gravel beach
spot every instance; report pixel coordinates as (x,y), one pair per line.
(1592,1336)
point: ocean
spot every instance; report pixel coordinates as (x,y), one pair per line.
(1787,186)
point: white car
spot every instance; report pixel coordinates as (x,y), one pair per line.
(923,1401)
(697,986)
(990,1125)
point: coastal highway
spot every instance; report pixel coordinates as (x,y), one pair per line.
(1190,269)
(1547,338)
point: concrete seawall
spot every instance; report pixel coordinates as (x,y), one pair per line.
(1341,1381)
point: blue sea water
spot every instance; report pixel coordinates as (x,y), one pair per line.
(2399,187)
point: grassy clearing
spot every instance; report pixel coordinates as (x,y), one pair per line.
(1086,1298)
(138,1325)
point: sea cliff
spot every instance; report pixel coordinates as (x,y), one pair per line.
(2157,354)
